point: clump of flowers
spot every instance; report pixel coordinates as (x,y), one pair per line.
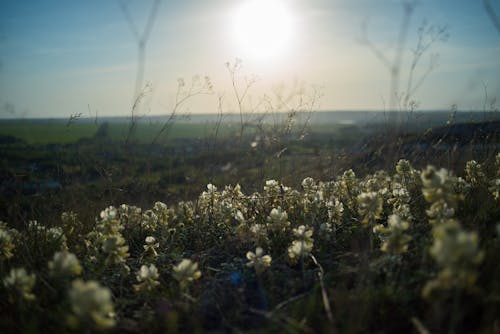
(455,250)
(116,249)
(302,245)
(457,254)
(65,264)
(474,173)
(52,236)
(439,190)
(494,188)
(107,235)
(394,237)
(19,285)
(6,242)
(347,189)
(313,195)
(370,207)
(278,219)
(147,277)
(258,260)
(400,201)
(272,191)
(163,213)
(91,305)
(186,271)
(406,174)
(150,248)
(335,211)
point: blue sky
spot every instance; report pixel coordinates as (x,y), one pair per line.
(59,57)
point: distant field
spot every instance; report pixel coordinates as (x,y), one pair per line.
(338,124)
(40,133)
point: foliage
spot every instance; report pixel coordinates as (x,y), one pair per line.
(192,266)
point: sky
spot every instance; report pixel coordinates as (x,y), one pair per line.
(60,58)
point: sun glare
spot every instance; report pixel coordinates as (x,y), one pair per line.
(262,29)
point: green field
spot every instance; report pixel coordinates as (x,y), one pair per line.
(40,133)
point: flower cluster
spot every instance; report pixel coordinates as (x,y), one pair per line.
(150,248)
(65,264)
(439,190)
(474,173)
(457,254)
(147,277)
(258,260)
(6,241)
(393,236)
(302,245)
(19,285)
(370,207)
(455,250)
(91,306)
(186,271)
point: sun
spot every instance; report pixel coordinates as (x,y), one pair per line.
(262,29)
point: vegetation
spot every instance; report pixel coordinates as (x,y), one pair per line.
(263,247)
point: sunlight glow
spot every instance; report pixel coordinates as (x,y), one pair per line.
(262,29)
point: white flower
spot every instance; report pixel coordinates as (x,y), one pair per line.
(258,260)
(109,213)
(91,304)
(19,283)
(65,264)
(186,271)
(239,217)
(278,216)
(147,278)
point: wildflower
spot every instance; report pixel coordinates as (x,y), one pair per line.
(65,264)
(91,304)
(211,188)
(149,220)
(457,254)
(150,248)
(400,201)
(302,245)
(162,212)
(186,271)
(308,183)
(335,211)
(278,219)
(239,217)
(370,206)
(147,278)
(19,284)
(408,175)
(258,260)
(114,246)
(494,188)
(394,238)
(403,167)
(6,244)
(474,173)
(110,213)
(439,189)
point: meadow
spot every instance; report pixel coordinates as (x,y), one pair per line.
(342,227)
